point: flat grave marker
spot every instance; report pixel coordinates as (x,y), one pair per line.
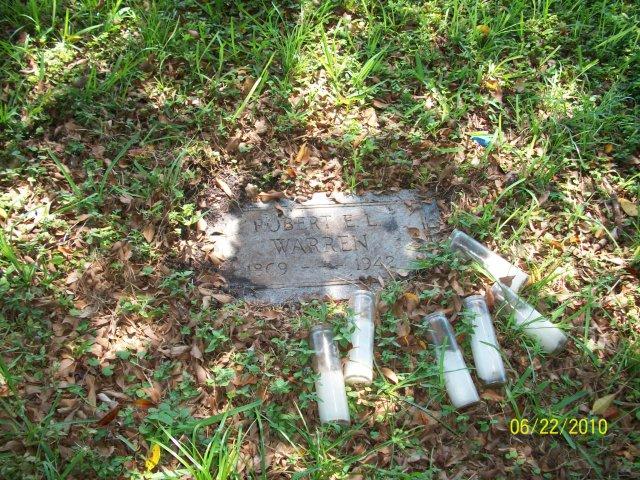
(276,252)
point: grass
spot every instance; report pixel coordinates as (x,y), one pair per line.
(116,119)
(218,461)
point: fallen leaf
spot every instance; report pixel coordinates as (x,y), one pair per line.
(492,85)
(154,393)
(403,329)
(242,380)
(360,138)
(411,301)
(448,170)
(98,151)
(71,126)
(261,126)
(86,312)
(270,314)
(422,418)
(508,281)
(489,298)
(415,233)
(103,397)
(201,374)
(291,172)
(251,190)
(457,288)
(12,446)
(222,297)
(484,30)
(137,152)
(215,259)
(225,188)
(370,117)
(247,85)
(109,416)
(629,208)
(495,89)
(271,195)
(195,351)
(148,232)
(123,250)
(602,404)
(126,199)
(233,143)
(72,277)
(143,403)
(390,374)
(492,395)
(176,350)
(303,153)
(153,457)
(65,367)
(90,382)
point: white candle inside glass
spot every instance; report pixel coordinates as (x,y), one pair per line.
(332,396)
(332,406)
(484,344)
(533,323)
(359,366)
(499,268)
(457,379)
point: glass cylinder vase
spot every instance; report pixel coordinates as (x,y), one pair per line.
(359,365)
(533,323)
(484,344)
(332,396)
(457,379)
(499,268)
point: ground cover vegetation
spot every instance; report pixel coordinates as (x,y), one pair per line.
(127,128)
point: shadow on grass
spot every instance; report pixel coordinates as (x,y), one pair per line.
(186,125)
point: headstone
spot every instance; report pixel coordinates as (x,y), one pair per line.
(276,252)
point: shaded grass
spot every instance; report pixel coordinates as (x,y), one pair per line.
(163,87)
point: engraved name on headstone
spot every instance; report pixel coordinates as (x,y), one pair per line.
(324,246)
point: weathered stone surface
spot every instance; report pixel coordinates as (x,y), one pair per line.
(277,252)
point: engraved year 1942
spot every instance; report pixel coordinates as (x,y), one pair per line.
(365,263)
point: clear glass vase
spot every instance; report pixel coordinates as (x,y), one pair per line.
(359,365)
(484,344)
(533,323)
(332,396)
(457,379)
(499,268)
